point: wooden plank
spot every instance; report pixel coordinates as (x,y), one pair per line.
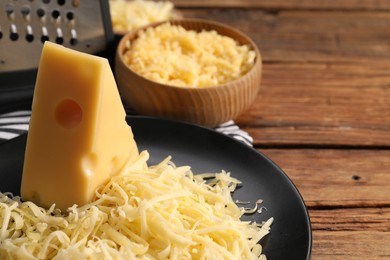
(289,4)
(354,245)
(352,233)
(305,36)
(321,104)
(351,219)
(337,178)
(348,196)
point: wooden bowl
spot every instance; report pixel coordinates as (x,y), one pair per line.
(208,106)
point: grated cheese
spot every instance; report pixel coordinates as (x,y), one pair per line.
(146,212)
(170,54)
(127,15)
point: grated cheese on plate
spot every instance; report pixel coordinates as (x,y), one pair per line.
(170,54)
(146,212)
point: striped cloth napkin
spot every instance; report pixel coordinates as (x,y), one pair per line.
(13,124)
(16,123)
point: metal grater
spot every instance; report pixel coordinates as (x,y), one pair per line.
(83,25)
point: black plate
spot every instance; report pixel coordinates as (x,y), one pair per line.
(206,150)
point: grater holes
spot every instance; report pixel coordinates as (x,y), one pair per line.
(9,8)
(55,14)
(25,10)
(41,12)
(59,38)
(24,19)
(14,36)
(45,36)
(29,35)
(73,40)
(70,15)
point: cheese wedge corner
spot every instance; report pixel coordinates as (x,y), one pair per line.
(78,136)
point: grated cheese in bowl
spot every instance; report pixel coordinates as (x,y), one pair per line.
(146,212)
(173,55)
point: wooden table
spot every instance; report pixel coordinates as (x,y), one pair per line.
(323,110)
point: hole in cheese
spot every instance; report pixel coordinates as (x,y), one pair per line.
(68,113)
(89,163)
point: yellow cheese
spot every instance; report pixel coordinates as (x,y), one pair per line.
(78,135)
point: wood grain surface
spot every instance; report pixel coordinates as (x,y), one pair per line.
(289,4)
(323,110)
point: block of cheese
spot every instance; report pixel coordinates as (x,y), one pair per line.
(78,136)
